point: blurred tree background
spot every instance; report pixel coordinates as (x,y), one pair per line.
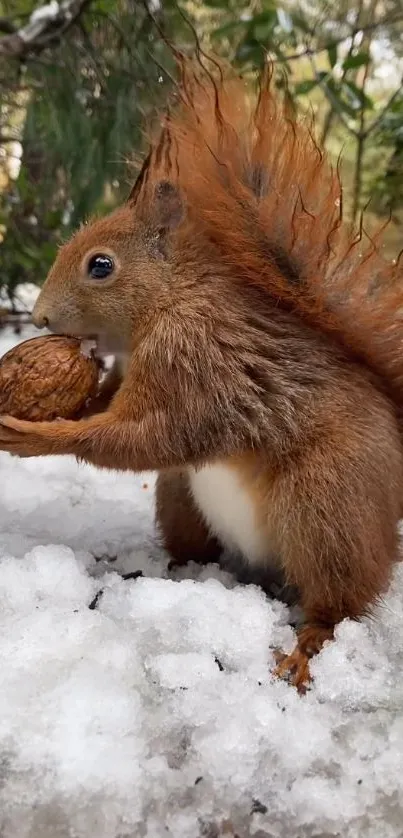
(79,78)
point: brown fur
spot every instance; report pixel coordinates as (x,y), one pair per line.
(252,333)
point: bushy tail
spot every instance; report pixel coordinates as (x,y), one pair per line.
(266,195)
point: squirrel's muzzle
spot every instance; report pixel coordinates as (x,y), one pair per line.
(47,315)
(60,315)
(40,316)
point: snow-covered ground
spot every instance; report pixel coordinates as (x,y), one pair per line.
(154,713)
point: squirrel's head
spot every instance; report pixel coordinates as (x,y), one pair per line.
(107,280)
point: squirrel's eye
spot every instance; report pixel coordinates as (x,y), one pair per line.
(100,266)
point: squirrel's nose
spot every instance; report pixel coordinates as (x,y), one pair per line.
(40,320)
(39,317)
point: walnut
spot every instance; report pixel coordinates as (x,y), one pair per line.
(47,378)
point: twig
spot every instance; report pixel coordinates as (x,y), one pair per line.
(332,99)
(332,113)
(357,30)
(362,132)
(374,125)
(16,319)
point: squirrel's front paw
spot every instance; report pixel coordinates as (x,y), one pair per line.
(30,439)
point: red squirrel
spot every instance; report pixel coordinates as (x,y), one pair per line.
(259,353)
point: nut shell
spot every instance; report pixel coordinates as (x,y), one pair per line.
(46,378)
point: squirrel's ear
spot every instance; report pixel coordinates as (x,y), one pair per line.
(167,212)
(168,207)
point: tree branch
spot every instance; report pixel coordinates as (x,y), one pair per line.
(362,132)
(331,112)
(332,99)
(310,51)
(375,124)
(46,24)
(7,138)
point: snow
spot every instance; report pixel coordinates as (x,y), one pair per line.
(153,712)
(39,20)
(47,12)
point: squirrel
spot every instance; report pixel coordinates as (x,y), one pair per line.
(259,353)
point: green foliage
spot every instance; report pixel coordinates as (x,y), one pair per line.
(387,186)
(83,119)
(360,59)
(332,54)
(326,52)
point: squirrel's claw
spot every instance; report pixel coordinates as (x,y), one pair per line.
(294,668)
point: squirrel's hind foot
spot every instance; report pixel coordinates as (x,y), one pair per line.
(295,667)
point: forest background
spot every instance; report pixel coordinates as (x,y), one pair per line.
(79,79)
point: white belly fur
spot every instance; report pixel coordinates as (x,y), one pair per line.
(229,512)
